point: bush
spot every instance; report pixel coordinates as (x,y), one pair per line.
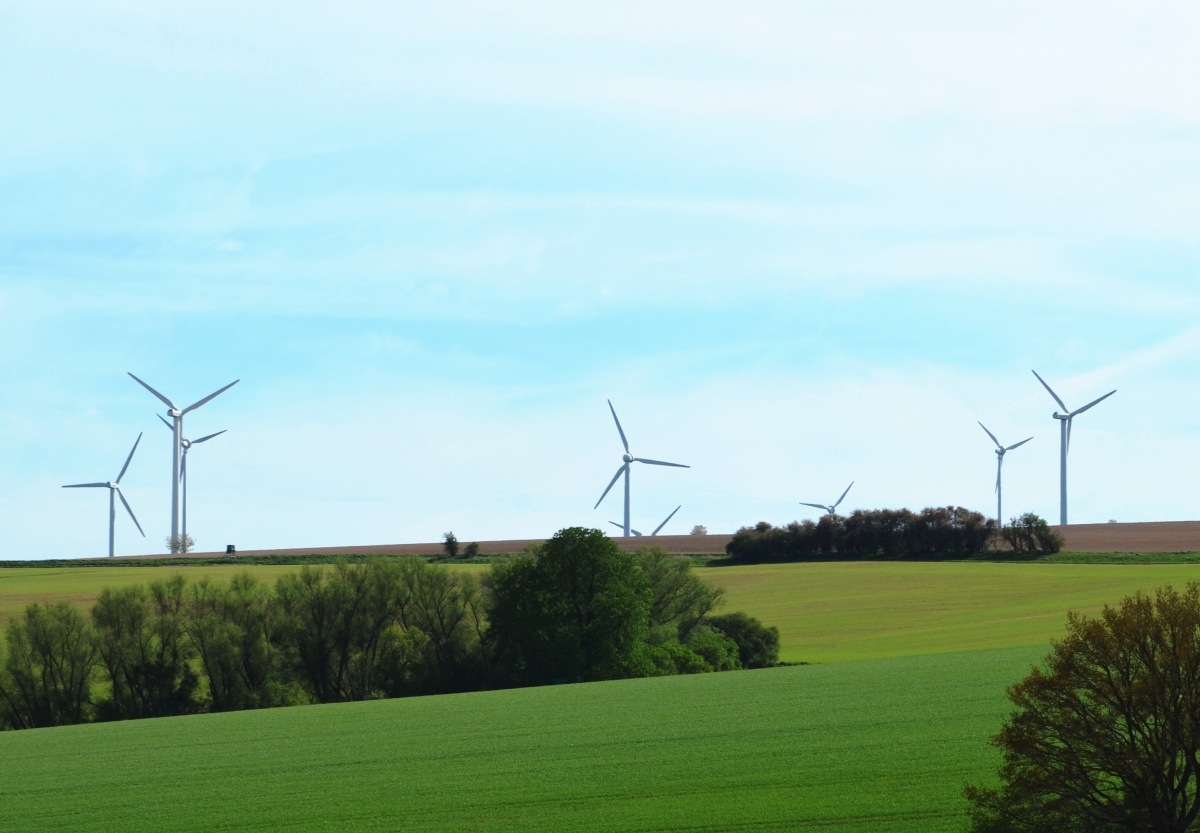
(757,645)
(720,652)
(1107,736)
(672,658)
(883,533)
(1031,534)
(472,550)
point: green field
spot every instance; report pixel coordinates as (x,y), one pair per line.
(858,746)
(881,743)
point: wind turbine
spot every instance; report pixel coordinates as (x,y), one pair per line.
(187,445)
(177,415)
(657,528)
(830,509)
(629,459)
(1000,452)
(1064,424)
(114,488)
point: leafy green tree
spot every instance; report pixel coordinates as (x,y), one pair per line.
(47,675)
(1031,534)
(445,606)
(577,611)
(145,651)
(1106,738)
(343,632)
(679,600)
(235,631)
(719,651)
(758,645)
(450,544)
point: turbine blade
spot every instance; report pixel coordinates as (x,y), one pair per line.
(990,434)
(620,431)
(1069,421)
(635,532)
(196,405)
(1093,403)
(183,467)
(130,511)
(1066,410)
(130,457)
(86,486)
(170,427)
(664,523)
(659,463)
(618,526)
(822,507)
(209,437)
(610,485)
(165,400)
(999,465)
(1018,445)
(843,497)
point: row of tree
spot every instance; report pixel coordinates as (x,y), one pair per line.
(576,609)
(938,532)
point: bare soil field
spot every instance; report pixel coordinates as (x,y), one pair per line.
(1165,536)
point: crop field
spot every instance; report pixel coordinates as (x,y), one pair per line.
(858,746)
(825,612)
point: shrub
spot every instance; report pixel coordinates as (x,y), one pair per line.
(472,550)
(672,658)
(1031,534)
(719,651)
(880,533)
(757,645)
(1107,736)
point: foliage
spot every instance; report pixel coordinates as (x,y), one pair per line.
(472,550)
(47,676)
(757,645)
(1031,534)
(936,532)
(719,651)
(577,611)
(852,747)
(679,600)
(180,544)
(450,544)
(1107,737)
(145,652)
(699,529)
(235,630)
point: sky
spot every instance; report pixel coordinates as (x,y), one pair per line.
(795,244)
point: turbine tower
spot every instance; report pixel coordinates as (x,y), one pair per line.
(176,414)
(657,528)
(830,509)
(187,445)
(1064,425)
(1000,452)
(114,488)
(629,459)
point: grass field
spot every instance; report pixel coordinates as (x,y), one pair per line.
(858,746)
(826,612)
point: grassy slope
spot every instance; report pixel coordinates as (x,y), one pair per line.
(863,746)
(828,612)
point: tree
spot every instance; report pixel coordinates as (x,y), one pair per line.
(180,544)
(472,550)
(1030,533)
(143,647)
(343,631)
(450,544)
(757,645)
(699,529)
(235,631)
(1107,737)
(679,600)
(47,676)
(576,611)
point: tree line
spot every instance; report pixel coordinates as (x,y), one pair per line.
(576,609)
(935,532)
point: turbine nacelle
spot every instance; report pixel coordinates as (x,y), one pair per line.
(174,412)
(628,458)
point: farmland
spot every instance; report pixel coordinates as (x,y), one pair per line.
(826,612)
(873,745)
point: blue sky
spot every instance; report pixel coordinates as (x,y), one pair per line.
(796,245)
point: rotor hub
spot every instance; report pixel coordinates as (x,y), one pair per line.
(186,443)
(628,458)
